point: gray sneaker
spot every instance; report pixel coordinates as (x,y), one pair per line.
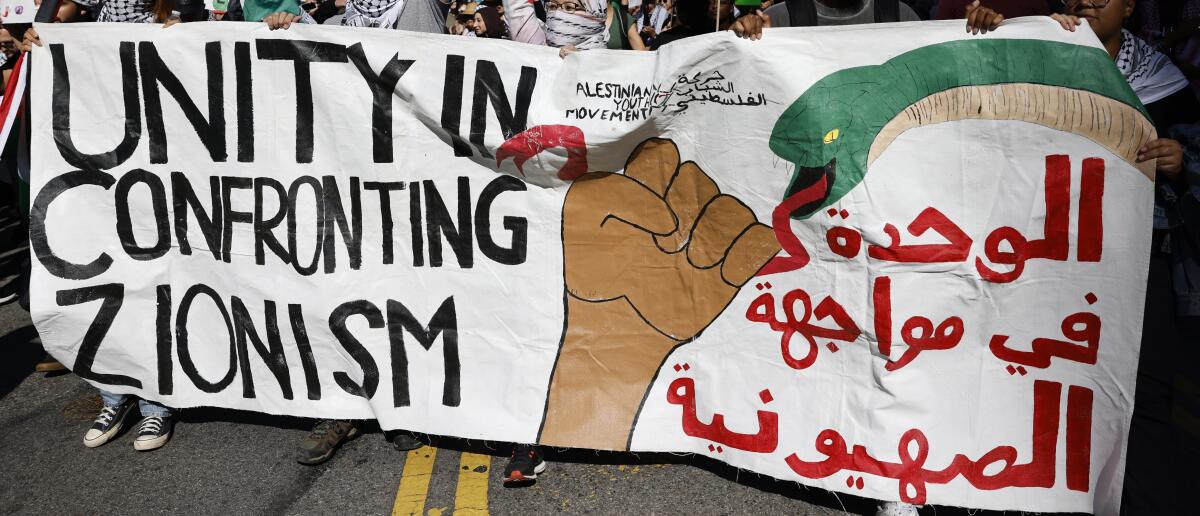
(324,440)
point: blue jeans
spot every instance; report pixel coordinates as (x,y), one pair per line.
(148,408)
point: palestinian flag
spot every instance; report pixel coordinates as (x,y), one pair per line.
(11,108)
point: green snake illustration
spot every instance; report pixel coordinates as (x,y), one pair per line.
(836,129)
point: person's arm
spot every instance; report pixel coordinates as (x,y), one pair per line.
(750,25)
(523,23)
(635,39)
(982,19)
(68,11)
(284,19)
(1067,22)
(1169,154)
(1181,107)
(29,40)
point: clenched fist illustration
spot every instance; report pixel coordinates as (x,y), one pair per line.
(651,258)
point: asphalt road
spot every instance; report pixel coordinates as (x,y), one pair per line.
(228,462)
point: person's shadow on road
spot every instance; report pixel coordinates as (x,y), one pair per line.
(22,350)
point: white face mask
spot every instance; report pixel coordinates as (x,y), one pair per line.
(575,28)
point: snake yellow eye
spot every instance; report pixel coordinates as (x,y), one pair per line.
(831,136)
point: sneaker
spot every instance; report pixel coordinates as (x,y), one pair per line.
(524,466)
(897,509)
(153,432)
(325,439)
(9,298)
(107,424)
(405,441)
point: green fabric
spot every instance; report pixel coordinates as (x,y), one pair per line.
(858,102)
(256,10)
(618,30)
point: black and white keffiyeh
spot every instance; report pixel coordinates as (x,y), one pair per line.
(372,13)
(585,29)
(122,11)
(1149,72)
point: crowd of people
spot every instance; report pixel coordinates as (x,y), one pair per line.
(1154,44)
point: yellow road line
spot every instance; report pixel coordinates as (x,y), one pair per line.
(471,495)
(414,482)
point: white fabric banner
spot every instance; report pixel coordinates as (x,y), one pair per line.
(897,261)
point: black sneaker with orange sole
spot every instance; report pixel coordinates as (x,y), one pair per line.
(524,466)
